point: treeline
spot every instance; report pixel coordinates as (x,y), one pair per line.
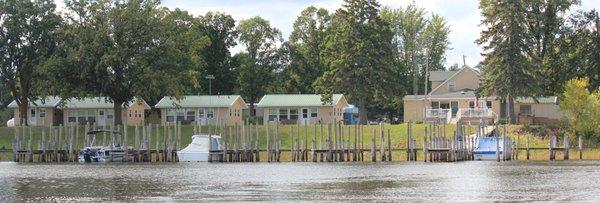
(532,48)
(137,48)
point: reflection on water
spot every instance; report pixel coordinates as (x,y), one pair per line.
(476,181)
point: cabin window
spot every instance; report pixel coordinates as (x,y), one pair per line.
(200,113)
(171,115)
(110,114)
(209,113)
(272,114)
(180,114)
(488,104)
(72,116)
(81,114)
(525,109)
(313,112)
(435,105)
(42,113)
(191,115)
(293,114)
(283,114)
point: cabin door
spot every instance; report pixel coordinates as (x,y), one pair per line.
(101,118)
(305,117)
(201,116)
(33,116)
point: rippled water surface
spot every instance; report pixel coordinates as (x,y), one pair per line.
(416,181)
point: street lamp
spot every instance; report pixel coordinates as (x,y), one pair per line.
(210,78)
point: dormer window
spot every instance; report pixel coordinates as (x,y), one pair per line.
(451,86)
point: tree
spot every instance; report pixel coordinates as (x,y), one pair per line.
(305,47)
(581,108)
(507,71)
(257,65)
(359,56)
(576,52)
(129,49)
(28,37)
(220,29)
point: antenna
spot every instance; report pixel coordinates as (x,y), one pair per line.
(464,60)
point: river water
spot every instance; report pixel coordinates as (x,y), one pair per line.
(402,181)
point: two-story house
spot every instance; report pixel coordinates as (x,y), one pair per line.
(452,99)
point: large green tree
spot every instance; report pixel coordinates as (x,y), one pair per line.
(305,48)
(420,44)
(507,71)
(28,38)
(359,55)
(518,38)
(220,29)
(258,64)
(127,49)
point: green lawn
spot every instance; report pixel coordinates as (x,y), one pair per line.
(398,135)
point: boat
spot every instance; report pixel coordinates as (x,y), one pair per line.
(199,149)
(114,153)
(485,148)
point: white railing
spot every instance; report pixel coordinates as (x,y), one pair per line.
(475,113)
(442,115)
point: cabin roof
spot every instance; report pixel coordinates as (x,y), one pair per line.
(273,100)
(190,101)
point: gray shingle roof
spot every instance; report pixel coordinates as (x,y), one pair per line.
(296,100)
(197,101)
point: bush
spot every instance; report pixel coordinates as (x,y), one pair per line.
(581,108)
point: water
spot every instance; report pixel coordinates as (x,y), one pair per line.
(404,181)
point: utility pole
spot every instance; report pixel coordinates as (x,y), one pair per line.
(210,78)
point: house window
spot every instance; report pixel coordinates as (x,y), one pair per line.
(129,113)
(488,104)
(435,105)
(283,114)
(42,113)
(170,115)
(272,114)
(293,114)
(471,104)
(451,86)
(32,113)
(313,112)
(525,109)
(209,113)
(230,114)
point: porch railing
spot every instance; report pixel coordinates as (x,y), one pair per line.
(440,115)
(485,113)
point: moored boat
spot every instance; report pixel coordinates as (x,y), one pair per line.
(199,149)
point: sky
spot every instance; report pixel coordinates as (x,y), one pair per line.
(462,16)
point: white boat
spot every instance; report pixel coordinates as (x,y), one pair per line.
(199,149)
(113,153)
(485,148)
